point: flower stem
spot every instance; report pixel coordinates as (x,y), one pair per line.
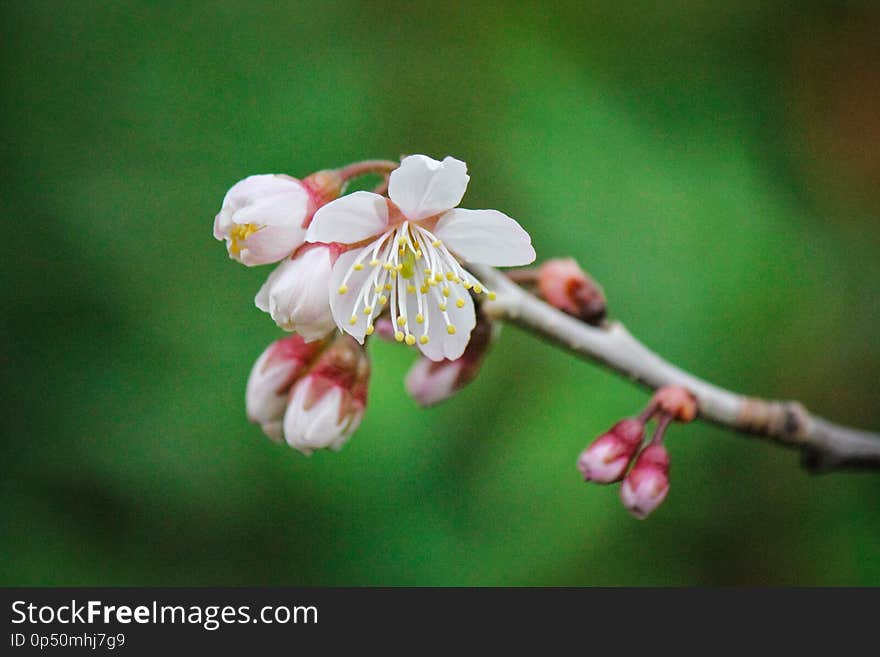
(357,169)
(824,445)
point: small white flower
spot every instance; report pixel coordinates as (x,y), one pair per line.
(407,252)
(295,294)
(262,218)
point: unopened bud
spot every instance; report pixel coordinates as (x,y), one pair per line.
(295,294)
(607,458)
(677,402)
(327,405)
(384,328)
(430,382)
(647,484)
(276,370)
(324,186)
(563,284)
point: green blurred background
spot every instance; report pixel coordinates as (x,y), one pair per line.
(715,167)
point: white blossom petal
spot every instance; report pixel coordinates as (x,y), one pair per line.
(485,236)
(316,427)
(349,219)
(262,218)
(422,186)
(347,289)
(295,294)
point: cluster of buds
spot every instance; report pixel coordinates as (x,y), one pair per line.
(310,394)
(621,452)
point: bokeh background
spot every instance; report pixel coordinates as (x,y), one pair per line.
(714,165)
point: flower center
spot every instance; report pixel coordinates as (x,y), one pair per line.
(411,271)
(239,234)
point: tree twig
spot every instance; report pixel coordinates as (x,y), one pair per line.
(824,445)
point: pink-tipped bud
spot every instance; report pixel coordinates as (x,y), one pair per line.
(384,328)
(677,402)
(327,405)
(607,458)
(324,186)
(563,284)
(282,363)
(647,484)
(430,382)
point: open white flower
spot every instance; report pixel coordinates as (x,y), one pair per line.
(406,255)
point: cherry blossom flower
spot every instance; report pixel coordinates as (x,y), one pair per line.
(406,253)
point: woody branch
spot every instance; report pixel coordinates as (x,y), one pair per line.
(823,445)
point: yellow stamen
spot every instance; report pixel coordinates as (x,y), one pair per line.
(460,303)
(420,318)
(399,336)
(358,267)
(410,340)
(445,291)
(368,310)
(401,320)
(478,289)
(450,329)
(353,320)
(492,296)
(423,339)
(370,330)
(343,289)
(441,305)
(383,299)
(239,234)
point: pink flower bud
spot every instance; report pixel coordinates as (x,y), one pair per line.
(430,382)
(677,402)
(276,370)
(647,484)
(264,218)
(563,284)
(327,405)
(607,458)
(383,328)
(296,295)
(324,186)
